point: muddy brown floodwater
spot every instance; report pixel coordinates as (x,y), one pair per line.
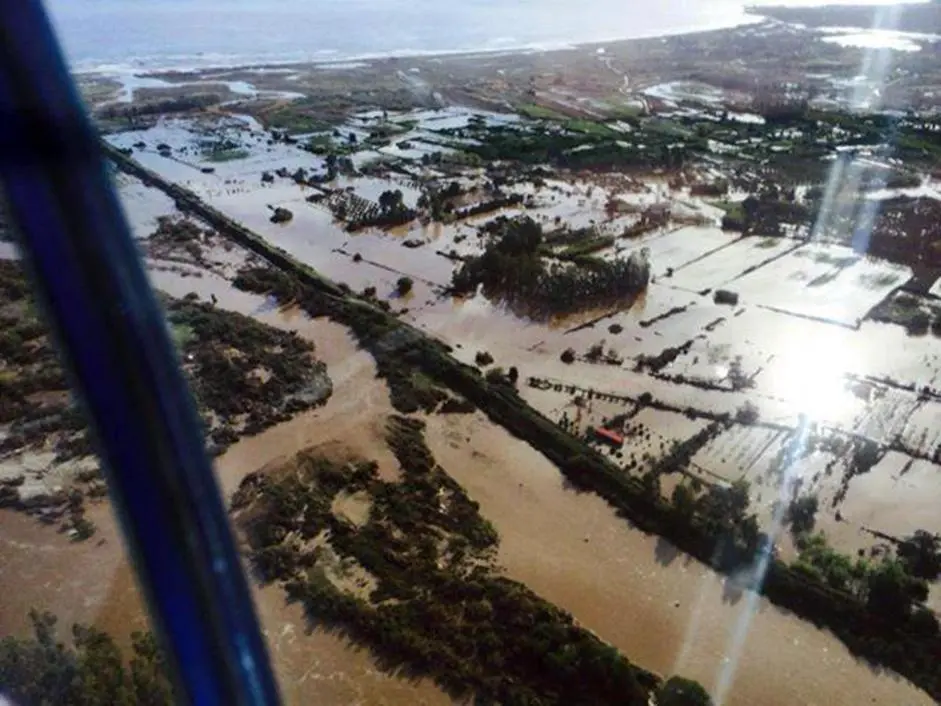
(92,582)
(665,612)
(662,609)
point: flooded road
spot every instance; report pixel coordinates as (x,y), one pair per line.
(665,611)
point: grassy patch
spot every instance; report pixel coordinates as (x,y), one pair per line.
(226,155)
(733,209)
(589,127)
(295,118)
(587,247)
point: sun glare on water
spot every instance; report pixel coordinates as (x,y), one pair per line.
(812,379)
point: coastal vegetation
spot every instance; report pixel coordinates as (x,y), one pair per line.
(245,377)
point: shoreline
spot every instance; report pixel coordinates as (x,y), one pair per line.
(367,59)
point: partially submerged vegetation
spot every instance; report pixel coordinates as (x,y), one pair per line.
(88,669)
(713,525)
(245,376)
(546,273)
(437,605)
(513,267)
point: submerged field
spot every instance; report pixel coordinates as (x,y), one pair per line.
(661,276)
(797,343)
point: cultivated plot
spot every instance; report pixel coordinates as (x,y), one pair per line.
(897,497)
(825,282)
(673,250)
(667,426)
(740,451)
(886,414)
(723,266)
(922,432)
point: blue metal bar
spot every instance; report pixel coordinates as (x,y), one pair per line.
(113,337)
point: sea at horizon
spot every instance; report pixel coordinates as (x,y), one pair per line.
(120,37)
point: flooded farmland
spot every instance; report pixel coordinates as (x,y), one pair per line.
(674,615)
(753,340)
(92,582)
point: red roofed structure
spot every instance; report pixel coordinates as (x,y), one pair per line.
(609,437)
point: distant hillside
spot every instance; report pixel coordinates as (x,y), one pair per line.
(911,17)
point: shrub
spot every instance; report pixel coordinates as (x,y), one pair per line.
(677,691)
(724,296)
(404,286)
(496,376)
(568,356)
(802,514)
(84,528)
(281,215)
(747,413)
(483,358)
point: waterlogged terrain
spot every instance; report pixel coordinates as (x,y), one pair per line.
(723,304)
(677,342)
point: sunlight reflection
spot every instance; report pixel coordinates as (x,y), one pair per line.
(811,378)
(812,374)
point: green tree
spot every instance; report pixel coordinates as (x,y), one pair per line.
(391,202)
(38,671)
(404,286)
(102,675)
(921,555)
(891,590)
(41,671)
(496,376)
(677,691)
(149,671)
(802,514)
(684,502)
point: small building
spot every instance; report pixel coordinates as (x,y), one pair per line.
(608,436)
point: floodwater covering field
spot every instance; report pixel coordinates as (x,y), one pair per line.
(798,337)
(798,334)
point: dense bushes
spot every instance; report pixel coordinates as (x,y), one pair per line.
(677,691)
(93,672)
(404,286)
(238,367)
(451,616)
(513,268)
(245,376)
